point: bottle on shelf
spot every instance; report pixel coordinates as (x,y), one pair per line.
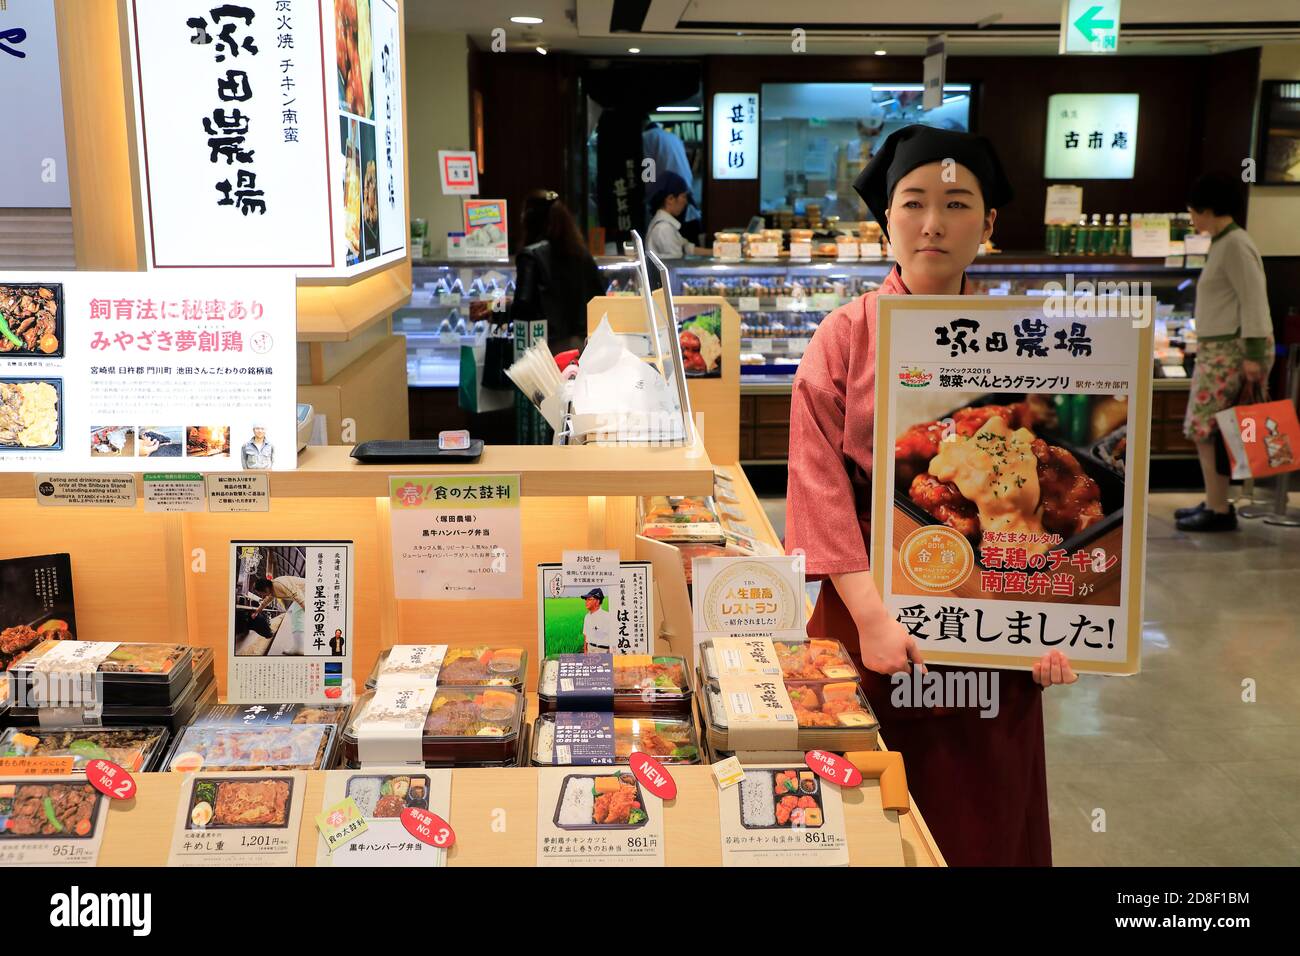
(1094,235)
(1122,235)
(1108,236)
(1052,243)
(1081,237)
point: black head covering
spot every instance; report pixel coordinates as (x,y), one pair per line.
(905,149)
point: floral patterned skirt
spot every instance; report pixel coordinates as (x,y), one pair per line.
(1216,383)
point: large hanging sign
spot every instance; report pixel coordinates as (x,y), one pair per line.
(270,133)
(1009,508)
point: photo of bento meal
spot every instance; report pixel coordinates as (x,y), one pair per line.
(47,810)
(239,804)
(600,802)
(31,414)
(381,796)
(31,320)
(780,800)
(1021,464)
(354,51)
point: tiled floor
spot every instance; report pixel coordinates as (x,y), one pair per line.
(1173,767)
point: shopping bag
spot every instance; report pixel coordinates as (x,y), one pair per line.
(1261,438)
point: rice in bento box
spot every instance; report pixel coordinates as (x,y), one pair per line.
(756,803)
(579,802)
(365,791)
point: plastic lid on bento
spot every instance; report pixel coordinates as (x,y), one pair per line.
(276,747)
(442,713)
(838,707)
(810,659)
(615,678)
(116,661)
(578,738)
(132,748)
(480,665)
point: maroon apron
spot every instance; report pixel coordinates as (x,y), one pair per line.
(981,783)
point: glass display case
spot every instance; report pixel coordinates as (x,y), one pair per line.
(455,300)
(781,303)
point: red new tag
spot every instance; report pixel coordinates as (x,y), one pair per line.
(833,768)
(428,827)
(653,776)
(110,779)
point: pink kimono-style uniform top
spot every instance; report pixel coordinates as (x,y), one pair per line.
(981,783)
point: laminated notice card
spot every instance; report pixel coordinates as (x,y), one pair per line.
(782,816)
(51,821)
(456,537)
(290,621)
(1011,474)
(597,817)
(238,819)
(380,794)
(147,371)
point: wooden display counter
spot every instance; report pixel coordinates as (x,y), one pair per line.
(494,814)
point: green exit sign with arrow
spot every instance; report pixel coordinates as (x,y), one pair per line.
(1090,26)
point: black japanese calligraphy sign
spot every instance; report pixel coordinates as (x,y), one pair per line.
(1009,497)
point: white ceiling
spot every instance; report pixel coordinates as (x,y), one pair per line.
(700,27)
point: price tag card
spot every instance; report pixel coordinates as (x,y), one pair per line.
(825,301)
(597,817)
(782,816)
(51,821)
(381,795)
(748,303)
(238,819)
(872,250)
(800,250)
(728,772)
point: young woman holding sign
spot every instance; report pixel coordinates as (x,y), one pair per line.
(980,781)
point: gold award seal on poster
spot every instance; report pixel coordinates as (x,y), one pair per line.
(936,558)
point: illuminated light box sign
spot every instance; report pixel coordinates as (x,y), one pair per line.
(735,136)
(33,164)
(1091,136)
(270,134)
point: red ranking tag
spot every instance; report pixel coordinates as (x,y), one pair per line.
(110,779)
(833,768)
(428,827)
(653,776)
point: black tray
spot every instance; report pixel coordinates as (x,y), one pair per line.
(1110,484)
(385,452)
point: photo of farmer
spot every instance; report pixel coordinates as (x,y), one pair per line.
(270,602)
(598,625)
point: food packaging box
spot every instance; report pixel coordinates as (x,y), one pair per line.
(641,684)
(136,749)
(131,675)
(439,727)
(814,659)
(831,716)
(259,737)
(602,739)
(677,520)
(478,666)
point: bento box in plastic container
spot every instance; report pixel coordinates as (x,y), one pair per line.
(127,675)
(174,715)
(816,659)
(478,666)
(463,726)
(136,749)
(259,737)
(830,716)
(658,685)
(600,739)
